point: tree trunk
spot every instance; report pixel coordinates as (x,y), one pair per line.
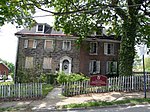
(127,49)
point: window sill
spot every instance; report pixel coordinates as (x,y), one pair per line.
(109,54)
(66,50)
(93,54)
(29,48)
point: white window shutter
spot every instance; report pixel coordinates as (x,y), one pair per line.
(91,47)
(34,43)
(105,48)
(26,44)
(90,67)
(107,67)
(97,66)
(63,46)
(115,66)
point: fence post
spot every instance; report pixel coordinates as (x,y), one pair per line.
(19,90)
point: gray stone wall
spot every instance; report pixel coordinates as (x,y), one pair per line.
(39,53)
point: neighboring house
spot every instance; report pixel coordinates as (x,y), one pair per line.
(44,50)
(4,70)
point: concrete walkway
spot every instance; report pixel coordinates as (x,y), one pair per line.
(54,98)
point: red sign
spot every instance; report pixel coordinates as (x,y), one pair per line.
(98,80)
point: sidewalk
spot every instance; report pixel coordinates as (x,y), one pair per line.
(54,98)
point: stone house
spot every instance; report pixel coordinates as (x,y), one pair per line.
(41,49)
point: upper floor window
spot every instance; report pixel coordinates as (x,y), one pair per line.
(111,67)
(66,45)
(48,44)
(40,28)
(108,48)
(93,47)
(30,43)
(29,62)
(47,63)
(94,67)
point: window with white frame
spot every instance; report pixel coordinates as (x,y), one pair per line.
(111,67)
(48,44)
(40,28)
(47,63)
(93,47)
(29,62)
(66,45)
(30,43)
(94,67)
(108,48)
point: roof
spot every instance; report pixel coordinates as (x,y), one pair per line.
(110,37)
(4,65)
(48,31)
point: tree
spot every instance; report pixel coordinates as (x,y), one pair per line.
(147,64)
(16,11)
(126,18)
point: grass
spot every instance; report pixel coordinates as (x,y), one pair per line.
(46,89)
(133,101)
(7,83)
(10,109)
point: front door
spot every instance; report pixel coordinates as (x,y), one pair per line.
(65,66)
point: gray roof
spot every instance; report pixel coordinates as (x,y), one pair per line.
(48,30)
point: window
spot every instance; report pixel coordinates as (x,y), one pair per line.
(66,45)
(109,48)
(111,67)
(94,67)
(29,62)
(48,44)
(93,47)
(47,63)
(40,28)
(30,43)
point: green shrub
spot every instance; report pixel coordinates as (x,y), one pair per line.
(43,78)
(62,77)
(4,78)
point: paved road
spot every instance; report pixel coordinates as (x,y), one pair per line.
(137,108)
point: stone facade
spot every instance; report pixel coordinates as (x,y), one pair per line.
(40,52)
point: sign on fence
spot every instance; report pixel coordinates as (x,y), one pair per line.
(98,80)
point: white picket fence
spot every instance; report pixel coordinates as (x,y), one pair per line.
(122,83)
(24,90)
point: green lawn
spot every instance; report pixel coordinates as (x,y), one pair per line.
(46,89)
(104,103)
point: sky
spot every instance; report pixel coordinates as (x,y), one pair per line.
(8,41)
